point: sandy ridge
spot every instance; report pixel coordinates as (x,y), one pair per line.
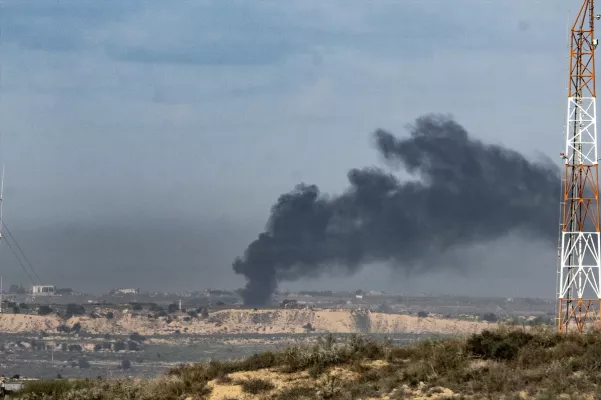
(247,322)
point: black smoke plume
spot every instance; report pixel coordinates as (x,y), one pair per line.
(465,192)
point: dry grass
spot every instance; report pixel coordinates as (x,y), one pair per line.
(256,385)
(505,363)
(160,389)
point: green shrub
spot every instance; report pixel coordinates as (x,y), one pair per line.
(498,345)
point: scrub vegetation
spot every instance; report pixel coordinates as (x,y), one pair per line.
(507,362)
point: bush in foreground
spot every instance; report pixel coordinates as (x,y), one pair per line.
(491,364)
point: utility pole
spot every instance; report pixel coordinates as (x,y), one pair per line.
(579,270)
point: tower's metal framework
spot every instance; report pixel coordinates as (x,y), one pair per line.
(579,280)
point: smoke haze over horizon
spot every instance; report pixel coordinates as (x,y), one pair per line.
(469,193)
(144,142)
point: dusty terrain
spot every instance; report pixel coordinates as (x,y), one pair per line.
(232,388)
(245,322)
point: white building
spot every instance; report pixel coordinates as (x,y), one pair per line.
(125,291)
(43,290)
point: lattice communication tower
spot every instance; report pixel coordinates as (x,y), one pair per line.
(579,271)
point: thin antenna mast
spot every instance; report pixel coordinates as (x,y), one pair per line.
(1,198)
(563,183)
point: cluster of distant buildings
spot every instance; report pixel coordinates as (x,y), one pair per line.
(52,290)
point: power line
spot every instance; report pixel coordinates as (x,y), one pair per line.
(21,250)
(20,262)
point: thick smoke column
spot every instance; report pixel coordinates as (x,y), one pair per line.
(467,192)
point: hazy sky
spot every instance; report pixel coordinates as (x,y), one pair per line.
(145,141)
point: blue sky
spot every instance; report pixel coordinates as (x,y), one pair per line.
(193,117)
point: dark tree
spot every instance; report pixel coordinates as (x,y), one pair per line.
(133,346)
(74,309)
(76,327)
(490,317)
(136,337)
(119,346)
(75,347)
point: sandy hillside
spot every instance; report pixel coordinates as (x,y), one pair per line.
(247,321)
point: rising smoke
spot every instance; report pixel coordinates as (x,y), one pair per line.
(465,192)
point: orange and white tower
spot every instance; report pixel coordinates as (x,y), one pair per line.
(579,280)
